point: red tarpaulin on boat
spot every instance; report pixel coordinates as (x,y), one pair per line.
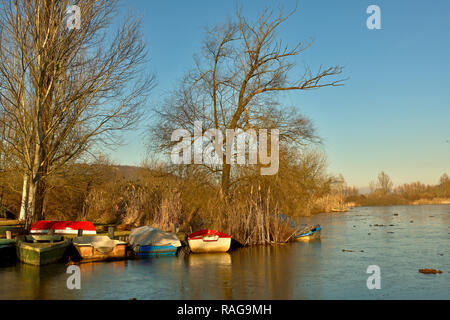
(202,233)
(68,227)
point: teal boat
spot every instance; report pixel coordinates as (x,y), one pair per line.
(7,252)
(41,249)
(154,251)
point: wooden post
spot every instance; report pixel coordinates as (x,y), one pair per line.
(51,232)
(111,232)
(80,232)
(8,235)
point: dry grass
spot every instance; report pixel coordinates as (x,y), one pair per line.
(432,201)
(249,217)
(330,203)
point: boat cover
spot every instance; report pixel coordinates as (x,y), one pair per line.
(101,243)
(146,236)
(309,230)
(66,227)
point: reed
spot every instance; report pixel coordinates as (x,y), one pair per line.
(330,203)
(250,217)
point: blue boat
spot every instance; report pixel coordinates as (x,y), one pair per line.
(7,252)
(311,233)
(152,242)
(154,251)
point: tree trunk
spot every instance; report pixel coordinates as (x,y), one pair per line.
(35,188)
(41,188)
(30,204)
(35,205)
(24,203)
(226,172)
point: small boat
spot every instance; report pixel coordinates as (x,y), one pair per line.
(99,248)
(209,241)
(41,249)
(147,242)
(63,227)
(7,251)
(310,233)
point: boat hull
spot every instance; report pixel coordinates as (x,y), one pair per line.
(152,251)
(39,254)
(89,253)
(7,252)
(206,246)
(313,236)
(63,227)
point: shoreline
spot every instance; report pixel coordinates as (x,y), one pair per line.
(419,202)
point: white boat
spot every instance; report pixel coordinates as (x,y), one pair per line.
(209,241)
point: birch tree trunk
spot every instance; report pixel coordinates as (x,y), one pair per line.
(32,186)
(30,205)
(24,203)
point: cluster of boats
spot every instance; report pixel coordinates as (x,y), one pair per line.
(51,241)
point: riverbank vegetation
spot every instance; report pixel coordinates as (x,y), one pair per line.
(156,194)
(383,193)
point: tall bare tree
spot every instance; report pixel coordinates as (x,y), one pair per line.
(63,90)
(384,183)
(243,68)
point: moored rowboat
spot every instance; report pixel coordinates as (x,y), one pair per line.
(148,251)
(63,227)
(311,233)
(147,241)
(7,251)
(99,248)
(40,249)
(209,241)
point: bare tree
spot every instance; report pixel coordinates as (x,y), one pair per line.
(242,69)
(384,183)
(444,184)
(444,179)
(64,90)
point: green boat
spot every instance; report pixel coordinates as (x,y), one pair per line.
(7,252)
(41,249)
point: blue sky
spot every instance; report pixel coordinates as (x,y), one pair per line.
(393,114)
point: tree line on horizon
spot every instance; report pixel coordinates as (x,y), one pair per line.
(383,192)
